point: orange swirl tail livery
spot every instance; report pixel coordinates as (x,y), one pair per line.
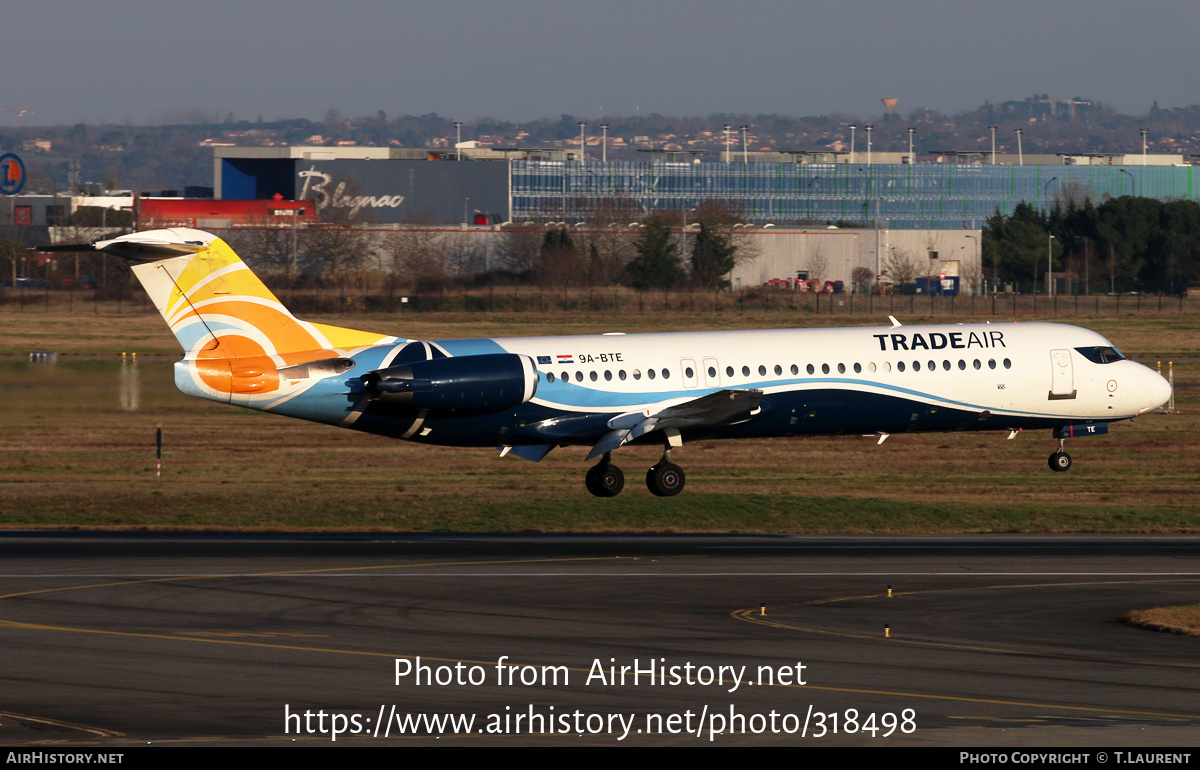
(236,335)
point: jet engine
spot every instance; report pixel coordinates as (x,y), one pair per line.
(458,385)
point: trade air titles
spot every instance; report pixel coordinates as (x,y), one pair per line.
(941,340)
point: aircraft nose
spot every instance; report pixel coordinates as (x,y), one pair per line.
(1157,391)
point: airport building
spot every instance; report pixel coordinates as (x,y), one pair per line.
(398,185)
(785,257)
(883,214)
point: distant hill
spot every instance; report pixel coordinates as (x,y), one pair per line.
(170,157)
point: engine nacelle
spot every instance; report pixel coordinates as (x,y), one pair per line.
(456,385)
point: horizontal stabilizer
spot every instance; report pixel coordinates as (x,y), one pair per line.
(149,246)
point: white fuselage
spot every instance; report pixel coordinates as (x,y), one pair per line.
(1029,370)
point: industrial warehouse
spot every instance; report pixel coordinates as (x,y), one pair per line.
(828,217)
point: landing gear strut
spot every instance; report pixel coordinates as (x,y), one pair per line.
(605,479)
(1060,461)
(666,479)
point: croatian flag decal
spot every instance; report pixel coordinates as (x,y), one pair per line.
(566,359)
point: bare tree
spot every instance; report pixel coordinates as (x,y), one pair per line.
(903,266)
(817,265)
(935,251)
(414,252)
(459,254)
(87,226)
(520,247)
(338,248)
(608,243)
(267,242)
(606,250)
(970,274)
(861,276)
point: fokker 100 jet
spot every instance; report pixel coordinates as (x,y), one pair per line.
(528,395)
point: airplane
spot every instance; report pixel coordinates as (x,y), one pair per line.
(528,395)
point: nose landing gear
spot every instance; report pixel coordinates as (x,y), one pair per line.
(1060,461)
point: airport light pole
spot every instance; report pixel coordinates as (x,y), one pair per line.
(1020,154)
(852,127)
(1049,268)
(582,151)
(604,144)
(978,260)
(1143,132)
(728,128)
(868,127)
(993,129)
(458,140)
(745,145)
(911,158)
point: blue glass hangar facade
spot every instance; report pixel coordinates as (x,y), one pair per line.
(923,195)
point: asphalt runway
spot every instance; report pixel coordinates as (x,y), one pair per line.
(233,639)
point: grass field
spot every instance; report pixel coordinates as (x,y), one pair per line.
(1184,619)
(74,452)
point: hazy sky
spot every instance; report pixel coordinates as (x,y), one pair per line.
(148,61)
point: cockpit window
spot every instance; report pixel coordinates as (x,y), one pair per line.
(1101,354)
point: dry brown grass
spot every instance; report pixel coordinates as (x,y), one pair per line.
(1183,619)
(102,330)
(71,456)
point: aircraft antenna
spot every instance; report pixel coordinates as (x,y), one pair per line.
(189,301)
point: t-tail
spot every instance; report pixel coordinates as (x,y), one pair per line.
(241,345)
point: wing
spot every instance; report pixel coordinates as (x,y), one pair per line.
(724,407)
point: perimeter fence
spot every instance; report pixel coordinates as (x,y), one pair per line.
(126,299)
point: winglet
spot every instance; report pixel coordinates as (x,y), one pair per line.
(895,323)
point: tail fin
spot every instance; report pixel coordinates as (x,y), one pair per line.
(218,308)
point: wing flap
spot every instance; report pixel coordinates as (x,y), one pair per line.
(715,409)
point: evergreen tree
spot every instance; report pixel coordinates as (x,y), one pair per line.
(1128,243)
(712,258)
(656,266)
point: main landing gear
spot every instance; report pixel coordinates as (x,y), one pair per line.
(1060,461)
(604,479)
(665,479)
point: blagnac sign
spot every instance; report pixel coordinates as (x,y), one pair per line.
(338,198)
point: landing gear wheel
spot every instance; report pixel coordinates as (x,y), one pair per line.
(604,480)
(1060,461)
(665,479)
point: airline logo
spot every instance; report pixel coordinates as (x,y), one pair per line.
(12,174)
(941,340)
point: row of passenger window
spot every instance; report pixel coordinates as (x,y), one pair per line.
(871,367)
(608,375)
